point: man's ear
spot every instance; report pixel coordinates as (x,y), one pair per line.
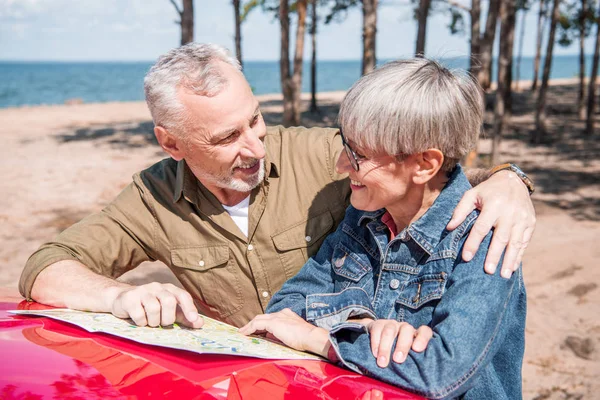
(429,164)
(169,142)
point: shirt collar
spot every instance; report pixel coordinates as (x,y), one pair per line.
(430,229)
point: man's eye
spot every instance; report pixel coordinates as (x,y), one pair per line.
(229,138)
(255,120)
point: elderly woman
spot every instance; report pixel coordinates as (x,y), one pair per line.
(392,264)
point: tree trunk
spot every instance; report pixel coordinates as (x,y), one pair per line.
(301,6)
(369,35)
(422,14)
(313,61)
(486,44)
(538,44)
(187,22)
(475,14)
(581,96)
(284,63)
(507,28)
(520,54)
(591,104)
(540,114)
(291,82)
(238,32)
(509,33)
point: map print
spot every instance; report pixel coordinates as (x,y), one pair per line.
(214,337)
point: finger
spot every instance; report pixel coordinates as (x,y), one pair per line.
(168,307)
(499,242)
(253,325)
(388,336)
(404,342)
(483,225)
(183,320)
(185,302)
(515,245)
(526,239)
(152,308)
(423,336)
(466,205)
(375,332)
(136,312)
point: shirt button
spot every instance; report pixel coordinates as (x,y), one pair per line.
(308,238)
(201,263)
(395,284)
(250,247)
(265,294)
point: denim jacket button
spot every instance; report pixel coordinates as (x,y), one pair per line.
(395,284)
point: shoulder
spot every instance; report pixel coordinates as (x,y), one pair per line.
(301,143)
(159,179)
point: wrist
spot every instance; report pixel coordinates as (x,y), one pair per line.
(110,294)
(512,170)
(317,342)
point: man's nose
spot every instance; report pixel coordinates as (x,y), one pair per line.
(342,166)
(254,146)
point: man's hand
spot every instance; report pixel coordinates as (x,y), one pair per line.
(292,330)
(506,206)
(383,334)
(154,304)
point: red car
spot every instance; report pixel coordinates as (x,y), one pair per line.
(47,359)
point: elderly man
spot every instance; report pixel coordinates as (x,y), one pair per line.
(234,212)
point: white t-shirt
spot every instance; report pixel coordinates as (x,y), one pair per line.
(239,214)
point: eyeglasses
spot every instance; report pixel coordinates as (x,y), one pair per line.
(352,156)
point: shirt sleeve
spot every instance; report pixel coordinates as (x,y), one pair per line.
(469,324)
(110,242)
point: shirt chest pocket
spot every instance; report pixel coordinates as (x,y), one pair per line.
(302,240)
(209,273)
(348,266)
(421,290)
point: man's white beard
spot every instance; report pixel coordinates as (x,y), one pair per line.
(240,185)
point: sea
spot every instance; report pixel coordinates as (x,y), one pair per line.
(34,83)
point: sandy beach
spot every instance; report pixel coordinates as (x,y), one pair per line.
(60,163)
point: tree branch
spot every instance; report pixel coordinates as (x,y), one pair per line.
(179,10)
(456,4)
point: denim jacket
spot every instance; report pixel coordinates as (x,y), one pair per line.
(478,320)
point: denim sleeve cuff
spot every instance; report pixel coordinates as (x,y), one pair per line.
(330,309)
(348,331)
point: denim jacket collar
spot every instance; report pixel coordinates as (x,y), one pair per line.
(426,230)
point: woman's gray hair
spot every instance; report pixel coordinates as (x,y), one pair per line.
(409,106)
(192,67)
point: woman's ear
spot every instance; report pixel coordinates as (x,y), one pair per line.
(429,164)
(169,142)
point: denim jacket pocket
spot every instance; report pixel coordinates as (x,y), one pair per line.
(348,264)
(422,289)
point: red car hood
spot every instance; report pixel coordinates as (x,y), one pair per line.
(44,358)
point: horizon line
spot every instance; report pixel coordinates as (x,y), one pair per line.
(251,60)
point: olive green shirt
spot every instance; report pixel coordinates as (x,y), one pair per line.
(166,214)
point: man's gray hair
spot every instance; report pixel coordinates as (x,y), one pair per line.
(192,67)
(409,106)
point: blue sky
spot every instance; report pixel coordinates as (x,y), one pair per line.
(135,30)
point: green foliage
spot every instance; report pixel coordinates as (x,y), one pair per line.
(248,7)
(339,9)
(572,17)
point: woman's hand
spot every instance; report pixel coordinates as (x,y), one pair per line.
(383,334)
(506,206)
(292,330)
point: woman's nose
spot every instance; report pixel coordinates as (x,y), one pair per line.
(342,166)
